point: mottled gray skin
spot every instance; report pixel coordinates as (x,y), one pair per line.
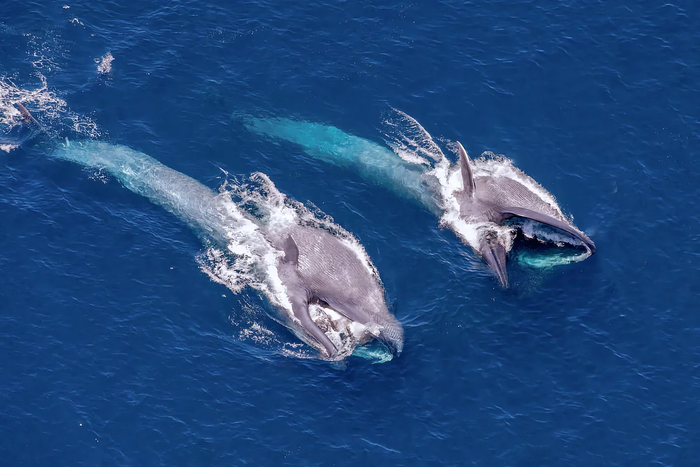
(319,268)
(495,200)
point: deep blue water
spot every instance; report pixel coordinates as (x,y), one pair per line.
(116,349)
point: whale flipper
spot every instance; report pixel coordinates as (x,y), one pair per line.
(466,168)
(300,307)
(299,299)
(348,310)
(509,212)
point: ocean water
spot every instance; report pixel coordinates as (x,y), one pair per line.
(118,348)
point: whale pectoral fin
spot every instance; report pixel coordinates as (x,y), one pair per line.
(300,306)
(291,251)
(348,310)
(509,212)
(466,168)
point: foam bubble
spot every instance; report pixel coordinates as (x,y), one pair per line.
(8,147)
(104,64)
(410,140)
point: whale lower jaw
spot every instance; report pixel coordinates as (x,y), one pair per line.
(349,336)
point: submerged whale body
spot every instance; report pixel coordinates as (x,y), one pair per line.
(373,162)
(479,200)
(308,265)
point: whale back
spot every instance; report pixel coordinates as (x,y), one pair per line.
(503,192)
(335,274)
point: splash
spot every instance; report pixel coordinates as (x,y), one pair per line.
(50,111)
(409,140)
(104,64)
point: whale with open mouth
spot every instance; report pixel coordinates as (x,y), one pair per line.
(490,200)
(487,202)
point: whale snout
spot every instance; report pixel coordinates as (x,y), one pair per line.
(391,335)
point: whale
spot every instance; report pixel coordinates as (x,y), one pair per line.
(303,266)
(492,200)
(314,266)
(375,163)
(485,202)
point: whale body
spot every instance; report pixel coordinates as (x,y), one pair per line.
(313,266)
(376,164)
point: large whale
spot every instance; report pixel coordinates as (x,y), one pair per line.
(491,200)
(316,267)
(481,201)
(309,265)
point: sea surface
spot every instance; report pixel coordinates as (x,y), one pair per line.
(118,349)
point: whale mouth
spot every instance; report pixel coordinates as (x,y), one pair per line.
(539,246)
(349,337)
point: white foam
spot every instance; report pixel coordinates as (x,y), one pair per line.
(104,64)
(8,147)
(46,107)
(410,140)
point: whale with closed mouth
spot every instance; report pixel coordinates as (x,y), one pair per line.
(300,266)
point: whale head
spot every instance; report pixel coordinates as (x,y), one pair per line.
(319,269)
(492,201)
